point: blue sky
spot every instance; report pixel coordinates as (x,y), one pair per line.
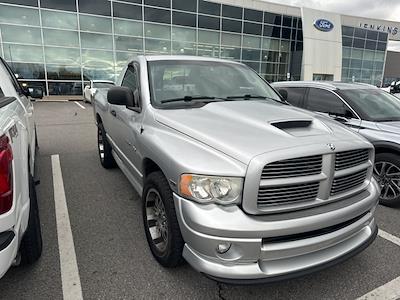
(379,9)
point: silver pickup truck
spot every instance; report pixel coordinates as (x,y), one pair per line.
(241,185)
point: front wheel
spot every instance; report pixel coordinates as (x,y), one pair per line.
(387,173)
(161,225)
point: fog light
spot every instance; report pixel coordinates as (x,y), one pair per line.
(223,247)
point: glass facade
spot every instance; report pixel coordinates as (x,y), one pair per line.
(60,45)
(363,55)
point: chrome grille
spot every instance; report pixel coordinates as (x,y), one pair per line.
(287,194)
(295,167)
(348,182)
(348,159)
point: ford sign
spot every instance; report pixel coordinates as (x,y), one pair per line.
(323,25)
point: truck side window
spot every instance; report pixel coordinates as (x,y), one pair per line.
(130,78)
(295,95)
(324,101)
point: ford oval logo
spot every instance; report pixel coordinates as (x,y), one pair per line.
(323,25)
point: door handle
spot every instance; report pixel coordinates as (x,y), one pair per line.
(114,113)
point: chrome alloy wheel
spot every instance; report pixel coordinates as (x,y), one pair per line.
(388,177)
(156,219)
(100,143)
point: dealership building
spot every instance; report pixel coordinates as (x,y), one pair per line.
(62,44)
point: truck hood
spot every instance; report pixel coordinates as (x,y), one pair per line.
(244,129)
(393,127)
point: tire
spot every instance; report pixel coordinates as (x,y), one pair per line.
(32,244)
(104,148)
(390,184)
(168,252)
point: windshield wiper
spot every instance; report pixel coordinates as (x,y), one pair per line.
(248,97)
(191,98)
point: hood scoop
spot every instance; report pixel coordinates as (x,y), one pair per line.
(301,127)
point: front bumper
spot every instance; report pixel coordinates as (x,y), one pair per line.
(8,250)
(275,247)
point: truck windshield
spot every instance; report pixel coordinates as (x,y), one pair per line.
(202,80)
(373,104)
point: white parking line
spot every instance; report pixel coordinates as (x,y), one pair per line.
(80,105)
(71,283)
(390,290)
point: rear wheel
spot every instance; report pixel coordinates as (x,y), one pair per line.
(387,173)
(161,225)
(104,148)
(32,244)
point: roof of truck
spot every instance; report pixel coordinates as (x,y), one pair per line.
(332,85)
(185,57)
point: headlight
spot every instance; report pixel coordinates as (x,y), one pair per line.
(208,189)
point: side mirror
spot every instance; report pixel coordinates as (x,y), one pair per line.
(36,92)
(283,93)
(121,95)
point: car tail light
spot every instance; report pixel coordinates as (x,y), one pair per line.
(6,175)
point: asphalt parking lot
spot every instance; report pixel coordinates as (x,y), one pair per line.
(112,256)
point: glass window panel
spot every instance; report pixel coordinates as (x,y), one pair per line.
(299,46)
(158,3)
(251,41)
(94,40)
(126,27)
(209,8)
(379,56)
(285,46)
(230,53)
(180,18)
(97,58)
(231,25)
(283,57)
(158,46)
(360,33)
(122,57)
(369,55)
(253,15)
(323,101)
(97,24)
(127,11)
(345,62)
(157,31)
(270,56)
(232,11)
(269,68)
(378,65)
(208,50)
(347,41)
(183,34)
(358,43)
(355,63)
(270,44)
(371,45)
(372,35)
(349,31)
(127,43)
(56,37)
(367,64)
(209,37)
(208,22)
(189,5)
(346,52)
(252,28)
(366,74)
(60,20)
(300,35)
(382,36)
(272,31)
(19,15)
(286,32)
(254,65)
(60,72)
(21,34)
(283,69)
(62,56)
(287,21)
(98,73)
(102,7)
(271,18)
(358,54)
(59,4)
(183,48)
(22,2)
(65,88)
(157,15)
(345,74)
(230,39)
(251,54)
(27,71)
(23,53)
(381,46)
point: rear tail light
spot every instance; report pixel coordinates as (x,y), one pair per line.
(6,175)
